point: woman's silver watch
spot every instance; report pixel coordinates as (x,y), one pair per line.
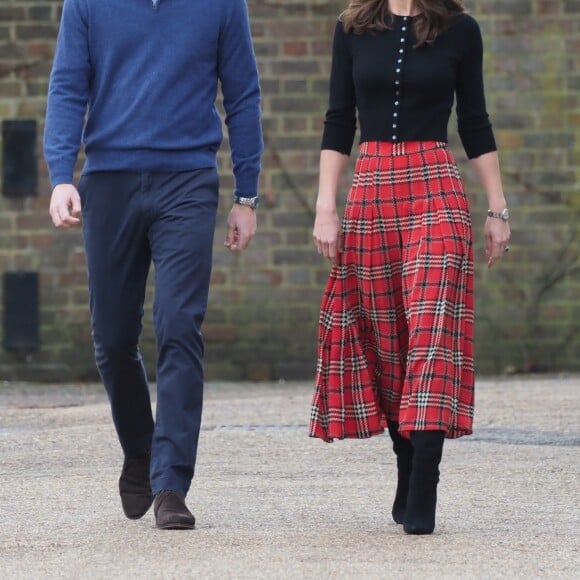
(504,214)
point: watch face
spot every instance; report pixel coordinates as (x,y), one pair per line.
(505,214)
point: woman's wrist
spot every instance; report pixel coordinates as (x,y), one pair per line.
(325,206)
(496,203)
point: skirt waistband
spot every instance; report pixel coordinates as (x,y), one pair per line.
(388,149)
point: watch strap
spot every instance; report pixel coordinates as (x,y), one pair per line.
(249,201)
(502,215)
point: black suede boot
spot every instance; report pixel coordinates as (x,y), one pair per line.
(171,513)
(404,452)
(422,498)
(134,486)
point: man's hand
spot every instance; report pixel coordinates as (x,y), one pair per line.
(241,227)
(65,206)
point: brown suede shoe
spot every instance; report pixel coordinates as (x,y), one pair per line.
(171,513)
(134,486)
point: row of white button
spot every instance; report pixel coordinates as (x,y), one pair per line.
(398,71)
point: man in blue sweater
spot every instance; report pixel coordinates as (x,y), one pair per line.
(136,82)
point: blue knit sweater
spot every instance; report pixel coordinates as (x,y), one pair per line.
(141,77)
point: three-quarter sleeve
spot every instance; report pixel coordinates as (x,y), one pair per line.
(473,123)
(340,120)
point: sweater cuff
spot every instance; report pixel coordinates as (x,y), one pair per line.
(60,179)
(246,186)
(337,138)
(476,144)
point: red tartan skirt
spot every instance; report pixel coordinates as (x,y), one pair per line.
(395,340)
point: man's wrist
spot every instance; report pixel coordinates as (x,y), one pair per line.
(61,180)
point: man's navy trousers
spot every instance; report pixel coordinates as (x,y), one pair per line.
(129,221)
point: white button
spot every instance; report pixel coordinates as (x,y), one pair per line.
(397,82)
(397,93)
(400,61)
(395,114)
(405,17)
(394,125)
(401,50)
(394,137)
(402,40)
(404,28)
(396,103)
(398,70)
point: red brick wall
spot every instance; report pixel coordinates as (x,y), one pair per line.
(264,304)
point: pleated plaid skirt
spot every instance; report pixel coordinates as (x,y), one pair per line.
(395,336)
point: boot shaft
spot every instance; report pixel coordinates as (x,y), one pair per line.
(427,453)
(428,445)
(401,446)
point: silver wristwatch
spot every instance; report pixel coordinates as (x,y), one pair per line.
(504,214)
(247,201)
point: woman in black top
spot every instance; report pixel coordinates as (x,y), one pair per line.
(396,322)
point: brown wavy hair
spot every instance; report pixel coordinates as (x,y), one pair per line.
(434,17)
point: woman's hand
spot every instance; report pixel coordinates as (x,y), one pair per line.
(497,236)
(497,230)
(327,233)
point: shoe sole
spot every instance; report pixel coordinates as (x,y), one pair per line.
(135,517)
(418,531)
(176,526)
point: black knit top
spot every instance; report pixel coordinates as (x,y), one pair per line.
(403,93)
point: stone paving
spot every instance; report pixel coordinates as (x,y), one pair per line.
(272,503)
